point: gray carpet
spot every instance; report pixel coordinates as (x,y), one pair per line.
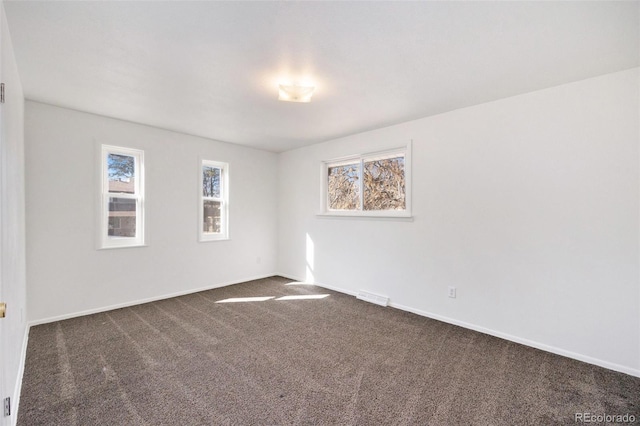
(332,360)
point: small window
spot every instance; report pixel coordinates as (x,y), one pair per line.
(375,184)
(122,204)
(214,201)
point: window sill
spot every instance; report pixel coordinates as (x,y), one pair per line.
(405,217)
(122,247)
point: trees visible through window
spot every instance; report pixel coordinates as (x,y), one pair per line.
(372,183)
(384,184)
(344,186)
(122,197)
(214,201)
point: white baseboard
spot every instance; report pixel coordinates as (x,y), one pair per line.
(516,339)
(141,301)
(15,404)
(542,346)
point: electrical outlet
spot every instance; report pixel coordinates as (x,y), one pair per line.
(452,292)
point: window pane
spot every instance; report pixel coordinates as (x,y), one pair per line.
(121,169)
(122,217)
(383,184)
(210,181)
(211,215)
(344,189)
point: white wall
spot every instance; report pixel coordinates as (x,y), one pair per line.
(12,249)
(67,275)
(528,205)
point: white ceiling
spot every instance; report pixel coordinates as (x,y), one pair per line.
(211,68)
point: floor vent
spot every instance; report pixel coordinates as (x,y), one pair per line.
(373,298)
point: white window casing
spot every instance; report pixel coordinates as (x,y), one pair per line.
(122,202)
(359,161)
(213,206)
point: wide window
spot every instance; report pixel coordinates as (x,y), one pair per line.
(122,205)
(214,201)
(375,184)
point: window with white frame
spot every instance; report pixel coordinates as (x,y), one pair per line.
(373,184)
(214,201)
(122,201)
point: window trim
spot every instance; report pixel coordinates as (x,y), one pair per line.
(224,199)
(106,241)
(361,158)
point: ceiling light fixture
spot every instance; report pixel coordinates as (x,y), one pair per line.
(295,92)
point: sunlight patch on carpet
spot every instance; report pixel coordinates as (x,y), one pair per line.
(304,297)
(245,299)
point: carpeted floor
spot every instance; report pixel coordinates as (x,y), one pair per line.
(298,361)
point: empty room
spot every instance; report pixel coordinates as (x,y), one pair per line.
(319,213)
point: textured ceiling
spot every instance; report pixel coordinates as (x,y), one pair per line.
(211,68)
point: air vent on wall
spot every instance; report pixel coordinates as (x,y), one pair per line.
(373,298)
